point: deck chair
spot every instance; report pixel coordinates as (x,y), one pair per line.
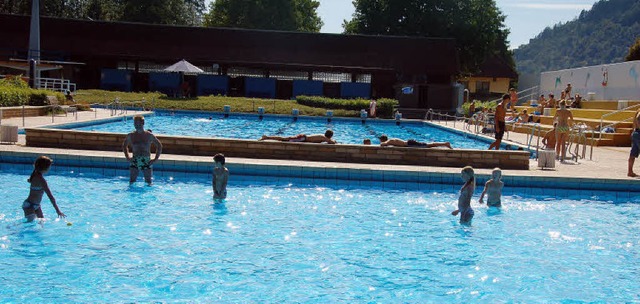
(55,105)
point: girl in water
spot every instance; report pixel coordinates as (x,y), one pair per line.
(464,201)
(31,206)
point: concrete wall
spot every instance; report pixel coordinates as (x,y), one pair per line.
(620,81)
(8,112)
(84,140)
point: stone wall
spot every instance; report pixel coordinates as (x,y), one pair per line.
(29,111)
(85,140)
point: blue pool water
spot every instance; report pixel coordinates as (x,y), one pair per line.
(347,131)
(299,242)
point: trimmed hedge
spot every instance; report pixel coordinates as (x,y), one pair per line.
(15,92)
(12,97)
(384,106)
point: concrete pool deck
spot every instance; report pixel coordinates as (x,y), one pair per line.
(609,163)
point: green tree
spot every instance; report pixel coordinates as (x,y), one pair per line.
(634,51)
(288,15)
(598,36)
(477,25)
(176,12)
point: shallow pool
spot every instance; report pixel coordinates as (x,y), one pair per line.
(347,131)
(298,242)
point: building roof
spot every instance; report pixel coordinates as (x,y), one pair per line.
(200,45)
(496,67)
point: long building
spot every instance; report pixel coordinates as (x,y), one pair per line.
(238,62)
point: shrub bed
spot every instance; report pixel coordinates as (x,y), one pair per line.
(384,106)
(15,92)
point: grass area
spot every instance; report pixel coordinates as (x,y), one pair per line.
(207,103)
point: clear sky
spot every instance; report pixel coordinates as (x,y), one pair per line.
(525,18)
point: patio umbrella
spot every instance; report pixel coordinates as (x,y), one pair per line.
(184,67)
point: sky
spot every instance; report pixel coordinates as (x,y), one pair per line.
(524,18)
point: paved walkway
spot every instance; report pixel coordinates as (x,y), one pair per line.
(607,162)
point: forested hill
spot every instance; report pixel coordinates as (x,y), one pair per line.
(598,36)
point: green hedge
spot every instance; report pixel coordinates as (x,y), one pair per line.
(16,92)
(384,106)
(11,97)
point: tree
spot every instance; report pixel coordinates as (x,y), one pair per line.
(477,25)
(287,15)
(634,51)
(176,12)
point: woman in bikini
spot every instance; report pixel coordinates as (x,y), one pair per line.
(39,186)
(563,116)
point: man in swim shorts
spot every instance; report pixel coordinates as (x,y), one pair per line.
(500,122)
(411,143)
(140,142)
(312,138)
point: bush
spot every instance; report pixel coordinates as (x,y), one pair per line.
(14,82)
(384,106)
(13,96)
(480,105)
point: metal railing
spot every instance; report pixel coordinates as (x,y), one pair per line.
(56,84)
(617,122)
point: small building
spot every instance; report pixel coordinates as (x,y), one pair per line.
(238,62)
(492,80)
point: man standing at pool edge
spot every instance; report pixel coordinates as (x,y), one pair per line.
(499,122)
(140,142)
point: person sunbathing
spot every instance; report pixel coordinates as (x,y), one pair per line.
(311,138)
(411,143)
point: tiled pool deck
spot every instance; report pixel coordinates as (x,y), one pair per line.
(607,170)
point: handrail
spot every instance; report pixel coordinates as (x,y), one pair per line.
(617,122)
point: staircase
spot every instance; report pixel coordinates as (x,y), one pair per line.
(593,114)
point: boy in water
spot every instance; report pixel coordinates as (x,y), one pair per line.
(220,177)
(464,201)
(493,189)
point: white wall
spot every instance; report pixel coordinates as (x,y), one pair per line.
(619,81)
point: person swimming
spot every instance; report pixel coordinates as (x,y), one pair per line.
(493,189)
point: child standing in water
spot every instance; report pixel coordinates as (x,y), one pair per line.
(31,206)
(220,177)
(464,201)
(493,189)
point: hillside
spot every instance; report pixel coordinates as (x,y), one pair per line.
(598,36)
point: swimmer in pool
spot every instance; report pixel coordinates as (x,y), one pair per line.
(493,189)
(466,192)
(220,177)
(31,206)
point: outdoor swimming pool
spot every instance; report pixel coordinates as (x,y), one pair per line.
(297,241)
(346,131)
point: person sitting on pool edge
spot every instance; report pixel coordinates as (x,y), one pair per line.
(412,143)
(311,138)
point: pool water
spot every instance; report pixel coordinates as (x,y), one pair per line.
(299,242)
(346,131)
